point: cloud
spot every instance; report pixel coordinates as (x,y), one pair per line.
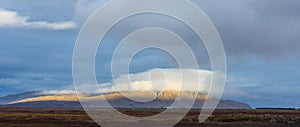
(15,85)
(84,8)
(261,28)
(13,19)
(193,80)
(160,80)
(9,81)
(58,92)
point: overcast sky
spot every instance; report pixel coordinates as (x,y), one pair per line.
(260,37)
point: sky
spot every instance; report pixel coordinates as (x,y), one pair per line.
(260,37)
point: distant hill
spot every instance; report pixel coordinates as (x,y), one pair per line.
(163,100)
(277,108)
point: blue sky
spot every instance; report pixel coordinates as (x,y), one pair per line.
(261,40)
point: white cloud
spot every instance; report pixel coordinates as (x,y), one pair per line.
(58,92)
(13,19)
(161,79)
(153,80)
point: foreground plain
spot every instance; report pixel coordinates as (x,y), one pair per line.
(20,117)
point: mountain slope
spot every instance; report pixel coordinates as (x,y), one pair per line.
(17,97)
(117,100)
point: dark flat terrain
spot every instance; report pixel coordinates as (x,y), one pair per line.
(17,117)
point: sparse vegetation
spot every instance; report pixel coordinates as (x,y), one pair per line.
(16,117)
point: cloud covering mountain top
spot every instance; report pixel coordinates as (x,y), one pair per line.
(162,79)
(154,80)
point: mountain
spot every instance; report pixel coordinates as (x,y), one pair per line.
(47,104)
(117,100)
(16,97)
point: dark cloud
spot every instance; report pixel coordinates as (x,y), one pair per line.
(277,8)
(262,28)
(262,45)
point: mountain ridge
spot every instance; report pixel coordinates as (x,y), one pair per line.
(117,100)
(16,97)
